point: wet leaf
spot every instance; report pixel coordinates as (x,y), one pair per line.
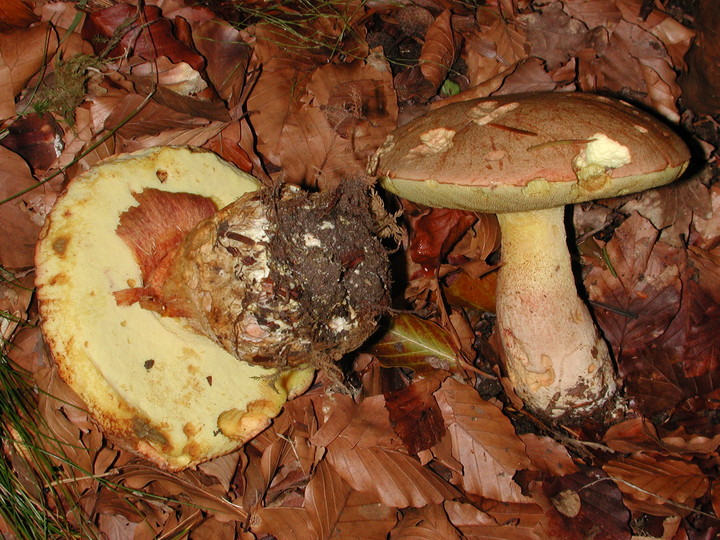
(416,343)
(586,505)
(435,232)
(415,415)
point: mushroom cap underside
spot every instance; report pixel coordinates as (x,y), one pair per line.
(161,389)
(528,151)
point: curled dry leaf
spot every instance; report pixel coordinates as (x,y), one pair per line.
(439,50)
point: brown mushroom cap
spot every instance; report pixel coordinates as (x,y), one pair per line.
(530,151)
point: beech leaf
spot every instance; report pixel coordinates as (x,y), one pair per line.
(439,50)
(652,483)
(395,478)
(416,343)
(484,442)
(641,290)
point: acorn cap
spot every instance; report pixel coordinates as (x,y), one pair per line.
(152,383)
(529,151)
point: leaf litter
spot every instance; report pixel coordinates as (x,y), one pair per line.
(420,446)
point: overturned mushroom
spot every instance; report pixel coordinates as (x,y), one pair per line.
(524,157)
(176,298)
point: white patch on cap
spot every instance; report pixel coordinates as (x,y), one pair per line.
(593,162)
(603,151)
(483,114)
(436,141)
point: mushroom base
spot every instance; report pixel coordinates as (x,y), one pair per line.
(555,358)
(285,278)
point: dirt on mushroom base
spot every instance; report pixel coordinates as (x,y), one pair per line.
(281,277)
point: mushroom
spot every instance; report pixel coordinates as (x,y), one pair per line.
(161,305)
(524,157)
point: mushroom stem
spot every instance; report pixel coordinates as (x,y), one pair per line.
(555,358)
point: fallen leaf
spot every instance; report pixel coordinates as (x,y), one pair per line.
(439,50)
(547,455)
(228,57)
(428,523)
(143,32)
(585,505)
(435,232)
(484,442)
(415,415)
(19,226)
(398,480)
(658,485)
(22,54)
(16,14)
(416,343)
(641,288)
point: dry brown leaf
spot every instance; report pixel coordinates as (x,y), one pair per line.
(18,220)
(16,14)
(484,442)
(518,521)
(553,35)
(364,518)
(658,485)
(633,435)
(22,54)
(227,56)
(427,523)
(282,523)
(497,46)
(547,455)
(675,37)
(396,479)
(706,228)
(672,208)
(641,290)
(474,524)
(594,13)
(439,50)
